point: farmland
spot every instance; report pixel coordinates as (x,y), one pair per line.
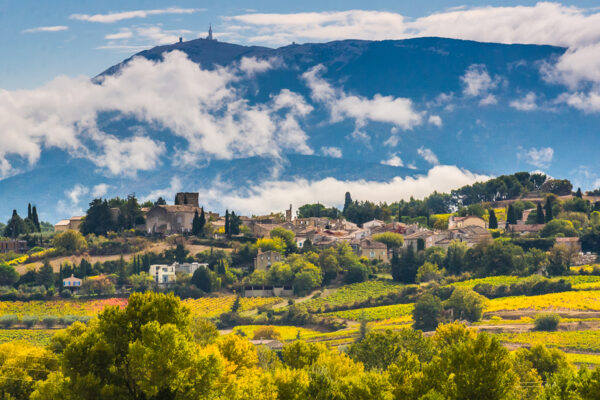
(357,292)
(573,300)
(376,313)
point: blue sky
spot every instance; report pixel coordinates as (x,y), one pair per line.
(74,46)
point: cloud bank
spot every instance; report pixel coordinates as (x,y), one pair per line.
(119,16)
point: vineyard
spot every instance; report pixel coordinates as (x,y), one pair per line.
(491,280)
(38,337)
(574,300)
(207,307)
(568,340)
(356,292)
(377,313)
(285,332)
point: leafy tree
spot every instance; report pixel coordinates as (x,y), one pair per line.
(287,236)
(558,227)
(301,355)
(15,226)
(307,279)
(429,272)
(356,273)
(234,224)
(45,275)
(539,214)
(559,260)
(408,266)
(8,275)
(500,258)
(466,304)
(329,265)
(98,219)
(548,209)
(455,257)
(160,202)
(141,282)
(391,240)
(493,221)
(545,361)
(546,321)
(202,279)
(276,244)
(427,312)
(69,242)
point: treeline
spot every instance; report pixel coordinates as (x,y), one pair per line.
(152,349)
(18,226)
(505,187)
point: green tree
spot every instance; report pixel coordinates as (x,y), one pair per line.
(466,304)
(391,240)
(234,224)
(196,227)
(578,194)
(558,227)
(548,209)
(45,275)
(539,214)
(202,279)
(98,219)
(511,216)
(15,226)
(347,202)
(69,242)
(287,236)
(357,272)
(202,222)
(427,312)
(493,221)
(408,266)
(307,279)
(227,230)
(8,275)
(429,272)
(455,257)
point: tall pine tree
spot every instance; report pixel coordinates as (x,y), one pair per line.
(493,221)
(539,214)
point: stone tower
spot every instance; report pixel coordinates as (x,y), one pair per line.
(288,214)
(186,199)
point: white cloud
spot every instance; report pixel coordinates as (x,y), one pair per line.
(277,195)
(119,16)
(76,193)
(477,82)
(202,107)
(488,100)
(143,36)
(527,103)
(100,190)
(428,155)
(587,102)
(252,66)
(166,193)
(435,120)
(394,110)
(542,23)
(334,152)
(394,161)
(55,28)
(541,158)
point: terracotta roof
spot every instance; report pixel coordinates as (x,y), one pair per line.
(77,218)
(63,222)
(527,228)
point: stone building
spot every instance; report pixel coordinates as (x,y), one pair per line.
(187,199)
(263,261)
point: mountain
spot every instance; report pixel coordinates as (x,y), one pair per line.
(487,108)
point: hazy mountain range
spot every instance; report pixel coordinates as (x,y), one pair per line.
(255,128)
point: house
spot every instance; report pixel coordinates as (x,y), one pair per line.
(16,246)
(370,249)
(72,282)
(573,243)
(424,236)
(273,344)
(471,235)
(300,242)
(261,230)
(72,223)
(162,274)
(317,222)
(525,229)
(265,259)
(461,222)
(188,268)
(268,291)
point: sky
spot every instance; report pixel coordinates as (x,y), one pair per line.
(41,40)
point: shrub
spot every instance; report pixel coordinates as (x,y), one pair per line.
(7,321)
(466,304)
(65,293)
(30,320)
(49,321)
(546,322)
(266,332)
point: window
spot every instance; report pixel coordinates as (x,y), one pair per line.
(372,254)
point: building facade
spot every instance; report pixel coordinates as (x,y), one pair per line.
(264,260)
(16,246)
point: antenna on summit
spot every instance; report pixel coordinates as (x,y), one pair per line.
(210,36)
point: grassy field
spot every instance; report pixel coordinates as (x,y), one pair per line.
(356,292)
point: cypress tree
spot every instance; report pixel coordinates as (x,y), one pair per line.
(493,222)
(36,221)
(548,209)
(226,222)
(539,214)
(511,215)
(347,202)
(395,264)
(578,193)
(29,215)
(196,224)
(202,221)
